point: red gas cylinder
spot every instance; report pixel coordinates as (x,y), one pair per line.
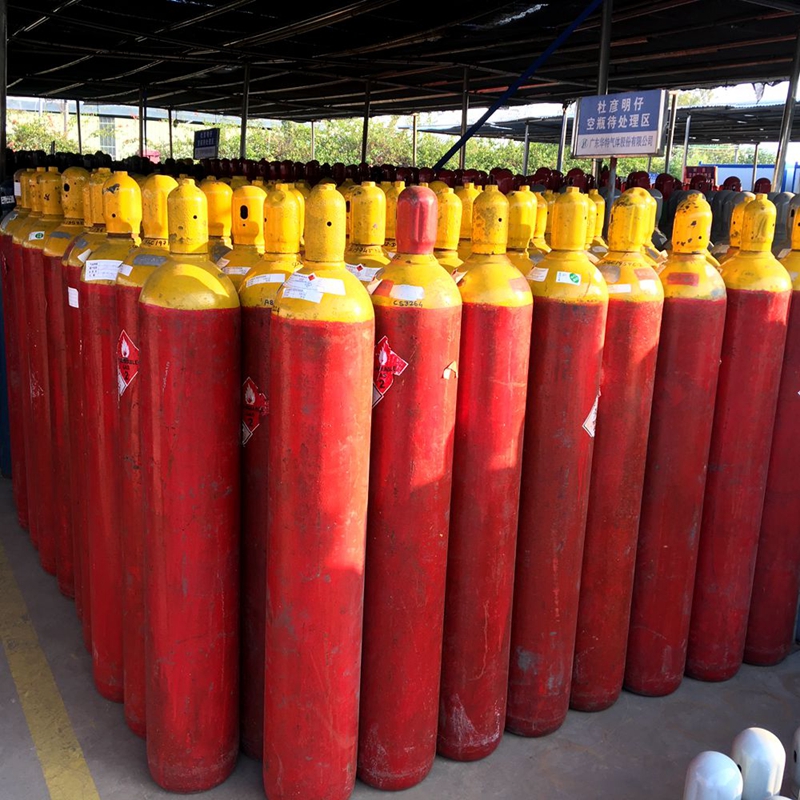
(675,476)
(417,324)
(732,183)
(320,356)
(12,222)
(122,209)
(773,605)
(282,225)
(136,267)
(70,197)
(39,225)
(490,416)
(191,429)
(74,259)
(762,186)
(426,174)
(623,419)
(759,290)
(569,316)
(666,184)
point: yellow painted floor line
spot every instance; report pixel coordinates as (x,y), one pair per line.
(63,764)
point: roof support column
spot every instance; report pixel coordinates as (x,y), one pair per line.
(562,142)
(755,167)
(462,153)
(526,148)
(414,120)
(141,121)
(78,117)
(673,114)
(603,65)
(365,128)
(245,111)
(786,122)
(686,146)
(3,84)
(169,123)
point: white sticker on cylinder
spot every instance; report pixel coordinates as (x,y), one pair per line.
(647,285)
(72,297)
(568,277)
(272,277)
(785,252)
(102,269)
(458,276)
(329,285)
(538,274)
(373,285)
(222,262)
(590,422)
(311,288)
(84,256)
(125,269)
(390,254)
(17,189)
(235,270)
(35,236)
(404,291)
(619,288)
(363,273)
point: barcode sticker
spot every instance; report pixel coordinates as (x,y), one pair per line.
(102,269)
(272,277)
(72,297)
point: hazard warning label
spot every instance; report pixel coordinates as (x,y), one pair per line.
(387,365)
(127,362)
(254,407)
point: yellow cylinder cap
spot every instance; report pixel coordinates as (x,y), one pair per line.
(438,186)
(796,232)
(392,193)
(692,225)
(303,187)
(325,224)
(490,222)
(736,220)
(600,204)
(368,214)
(73,181)
(95,191)
(219,196)
(25,187)
(282,220)
(238,181)
(50,186)
(247,209)
(630,216)
(448,221)
(301,198)
(35,191)
(122,204)
(758,224)
(542,214)
(467,194)
(591,220)
(569,219)
(550,198)
(521,218)
(187,211)
(155,217)
(650,204)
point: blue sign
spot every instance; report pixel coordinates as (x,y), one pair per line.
(206,143)
(627,124)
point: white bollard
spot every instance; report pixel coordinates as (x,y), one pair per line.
(761,757)
(713,776)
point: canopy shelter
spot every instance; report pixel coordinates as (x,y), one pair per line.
(304,64)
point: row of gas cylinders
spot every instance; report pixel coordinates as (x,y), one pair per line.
(753,771)
(367,507)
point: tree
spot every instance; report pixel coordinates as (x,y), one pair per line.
(38,133)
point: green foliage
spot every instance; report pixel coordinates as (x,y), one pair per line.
(38,132)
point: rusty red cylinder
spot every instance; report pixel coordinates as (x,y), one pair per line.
(417,329)
(487,459)
(759,291)
(320,359)
(191,426)
(675,475)
(566,351)
(776,581)
(10,279)
(38,434)
(615,494)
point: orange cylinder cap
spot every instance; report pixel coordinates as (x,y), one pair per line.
(155,214)
(283,220)
(122,204)
(569,219)
(630,216)
(416,221)
(50,187)
(187,210)
(490,222)
(219,196)
(692,225)
(73,180)
(758,224)
(326,224)
(522,213)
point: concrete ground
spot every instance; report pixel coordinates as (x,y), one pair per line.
(638,749)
